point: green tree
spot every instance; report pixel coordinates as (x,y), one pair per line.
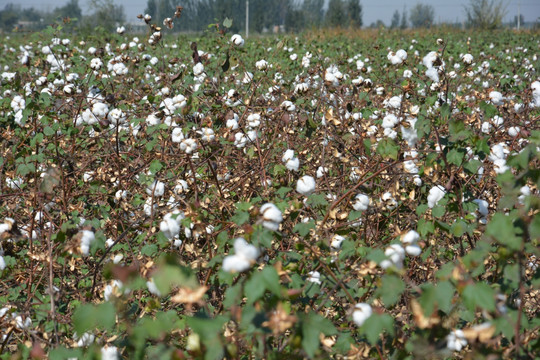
(69,10)
(105,14)
(422,15)
(313,12)
(404,23)
(354,11)
(395,20)
(335,14)
(8,17)
(485,14)
(151,8)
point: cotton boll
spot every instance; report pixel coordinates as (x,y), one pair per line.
(305,185)
(500,167)
(314,277)
(321,171)
(272,216)
(496,98)
(152,288)
(396,255)
(513,131)
(411,237)
(361,202)
(336,241)
(288,155)
(87,237)
(436,193)
(85,340)
(235,263)
(157,189)
(388,201)
(433,74)
(413,250)
(389,121)
(261,64)
(198,69)
(2,264)
(483,207)
(248,251)
(456,340)
(109,353)
(293,164)
(237,40)
(361,313)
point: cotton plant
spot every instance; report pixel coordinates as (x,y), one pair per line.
(244,257)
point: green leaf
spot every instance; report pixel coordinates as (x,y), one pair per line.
(425,227)
(303,228)
(255,287)
(489,110)
(271,280)
(455,156)
(479,295)
(48,131)
(240,217)
(438,211)
(282,191)
(90,317)
(376,324)
(210,331)
(312,326)
(388,148)
(459,228)
(317,200)
(227,23)
(390,289)
(502,229)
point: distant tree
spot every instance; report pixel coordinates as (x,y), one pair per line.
(422,15)
(9,17)
(395,20)
(485,14)
(404,23)
(354,12)
(70,10)
(313,12)
(151,8)
(521,20)
(105,13)
(31,14)
(377,24)
(335,14)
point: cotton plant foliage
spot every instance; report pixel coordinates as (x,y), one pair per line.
(326,195)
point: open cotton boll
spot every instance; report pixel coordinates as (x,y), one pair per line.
(314,277)
(272,216)
(433,74)
(436,193)
(305,185)
(361,202)
(411,237)
(198,69)
(109,353)
(395,254)
(513,131)
(86,339)
(321,171)
(388,201)
(336,241)
(483,207)
(237,40)
(2,263)
(261,64)
(496,98)
(413,250)
(499,166)
(288,155)
(456,340)
(87,237)
(293,164)
(245,255)
(152,288)
(235,263)
(156,189)
(361,313)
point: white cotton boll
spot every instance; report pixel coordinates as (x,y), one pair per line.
(177,135)
(240,140)
(513,131)
(152,288)
(486,127)
(361,313)
(413,250)
(497,120)
(498,152)
(305,185)
(288,106)
(109,353)
(198,69)
(2,264)
(496,98)
(87,237)
(293,164)
(117,258)
(411,237)
(321,171)
(237,40)
(433,74)
(235,263)
(396,254)
(261,64)
(272,216)
(188,145)
(361,202)
(429,59)
(436,193)
(157,189)
(524,191)
(85,340)
(394,102)
(207,134)
(409,133)
(467,59)
(388,200)
(456,340)
(314,277)
(21,323)
(288,155)
(254,120)
(293,57)
(500,167)
(336,241)
(232,124)
(483,207)
(389,121)
(248,251)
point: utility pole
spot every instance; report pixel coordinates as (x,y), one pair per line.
(519,15)
(247,19)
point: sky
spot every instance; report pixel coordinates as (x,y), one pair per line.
(445,10)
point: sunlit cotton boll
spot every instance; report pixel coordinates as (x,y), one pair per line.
(245,255)
(156,189)
(207,134)
(321,171)
(395,254)
(467,59)
(361,313)
(237,40)
(188,145)
(2,263)
(513,131)
(336,241)
(272,216)
(305,185)
(456,340)
(170,226)
(436,193)
(177,135)
(254,120)
(388,201)
(198,69)
(261,65)
(87,237)
(496,98)
(85,340)
(361,202)
(314,277)
(410,240)
(109,353)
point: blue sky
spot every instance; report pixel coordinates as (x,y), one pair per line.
(445,10)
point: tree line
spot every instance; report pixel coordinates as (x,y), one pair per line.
(265,16)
